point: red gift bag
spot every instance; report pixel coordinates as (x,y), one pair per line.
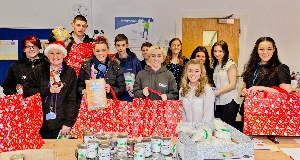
(20,122)
(114,118)
(155,117)
(272,114)
(78,53)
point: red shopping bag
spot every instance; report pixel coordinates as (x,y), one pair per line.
(114,118)
(155,117)
(20,122)
(78,53)
(272,114)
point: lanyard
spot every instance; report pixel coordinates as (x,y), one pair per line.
(256,73)
(52,101)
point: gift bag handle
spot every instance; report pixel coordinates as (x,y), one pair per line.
(278,89)
(113,92)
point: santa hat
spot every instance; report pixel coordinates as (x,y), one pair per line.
(59,45)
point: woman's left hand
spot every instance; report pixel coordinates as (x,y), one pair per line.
(107,88)
(65,130)
(254,89)
(164,97)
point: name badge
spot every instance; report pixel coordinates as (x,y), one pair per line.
(50,115)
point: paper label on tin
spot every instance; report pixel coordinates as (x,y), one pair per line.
(147,149)
(166,147)
(139,153)
(156,145)
(122,144)
(92,150)
(104,153)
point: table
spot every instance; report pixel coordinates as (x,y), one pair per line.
(66,148)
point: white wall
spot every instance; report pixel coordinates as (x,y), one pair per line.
(274,18)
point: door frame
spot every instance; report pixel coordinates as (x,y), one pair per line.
(211,14)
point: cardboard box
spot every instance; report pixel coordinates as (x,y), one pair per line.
(32,154)
(189,150)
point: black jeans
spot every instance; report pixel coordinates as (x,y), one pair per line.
(49,134)
(227,113)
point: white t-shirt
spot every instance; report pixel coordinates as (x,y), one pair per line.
(198,109)
(221,80)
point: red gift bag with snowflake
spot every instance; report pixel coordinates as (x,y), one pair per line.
(78,54)
(114,118)
(272,114)
(20,122)
(155,117)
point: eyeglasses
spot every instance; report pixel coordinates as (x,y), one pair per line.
(31,47)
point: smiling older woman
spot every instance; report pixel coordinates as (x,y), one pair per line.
(57,84)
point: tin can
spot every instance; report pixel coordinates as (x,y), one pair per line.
(122,142)
(156,144)
(92,149)
(169,157)
(81,152)
(147,143)
(87,136)
(102,139)
(104,152)
(166,145)
(139,151)
(17,157)
(114,143)
(130,148)
(112,154)
(99,134)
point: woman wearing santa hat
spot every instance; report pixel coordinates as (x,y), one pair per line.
(57,84)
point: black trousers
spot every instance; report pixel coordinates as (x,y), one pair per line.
(227,113)
(49,134)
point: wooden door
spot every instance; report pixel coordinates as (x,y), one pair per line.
(192,35)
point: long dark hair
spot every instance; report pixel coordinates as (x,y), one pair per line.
(169,53)
(224,47)
(204,50)
(254,60)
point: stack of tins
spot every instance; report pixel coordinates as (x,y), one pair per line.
(110,145)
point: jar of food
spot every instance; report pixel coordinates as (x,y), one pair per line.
(147,143)
(114,143)
(166,145)
(104,151)
(130,148)
(122,142)
(87,135)
(92,149)
(139,151)
(156,144)
(81,152)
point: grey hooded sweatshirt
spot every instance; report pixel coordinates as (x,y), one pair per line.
(161,80)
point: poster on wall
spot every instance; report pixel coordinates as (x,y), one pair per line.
(137,29)
(8,49)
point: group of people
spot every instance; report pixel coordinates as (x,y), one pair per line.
(207,89)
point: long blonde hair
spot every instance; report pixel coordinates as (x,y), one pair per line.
(202,80)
